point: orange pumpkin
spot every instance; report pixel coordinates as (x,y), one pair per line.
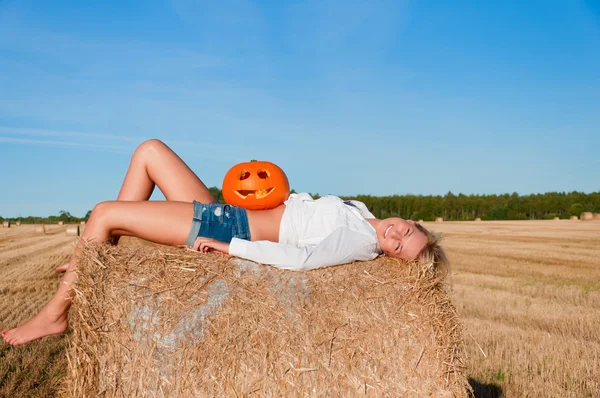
(255,185)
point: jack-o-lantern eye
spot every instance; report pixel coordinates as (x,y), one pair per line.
(245,174)
(263,174)
(255,185)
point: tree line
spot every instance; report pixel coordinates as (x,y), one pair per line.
(63,216)
(450,207)
(462,207)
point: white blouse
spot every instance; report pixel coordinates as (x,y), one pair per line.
(314,234)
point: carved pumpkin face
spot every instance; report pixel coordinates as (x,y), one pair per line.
(255,185)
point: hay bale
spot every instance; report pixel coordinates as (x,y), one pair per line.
(596,216)
(18,223)
(6,224)
(73,230)
(556,218)
(60,223)
(170,322)
(439,219)
(573,218)
(40,229)
(478,219)
(420,221)
(586,216)
(82,223)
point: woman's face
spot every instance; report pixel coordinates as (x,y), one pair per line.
(400,238)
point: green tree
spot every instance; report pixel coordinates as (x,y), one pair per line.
(576,209)
(217,193)
(64,215)
(499,212)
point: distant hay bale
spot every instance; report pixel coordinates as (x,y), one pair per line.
(439,219)
(6,224)
(40,229)
(478,219)
(18,223)
(73,230)
(573,218)
(586,216)
(82,223)
(420,221)
(60,223)
(596,216)
(556,218)
(172,322)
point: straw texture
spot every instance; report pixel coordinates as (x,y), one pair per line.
(154,321)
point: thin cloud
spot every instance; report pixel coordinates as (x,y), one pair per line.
(127,146)
(71,134)
(65,144)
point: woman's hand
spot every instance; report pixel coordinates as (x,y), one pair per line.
(206,244)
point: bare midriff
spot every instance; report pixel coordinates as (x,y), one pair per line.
(264,224)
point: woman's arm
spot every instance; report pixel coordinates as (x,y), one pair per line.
(342,246)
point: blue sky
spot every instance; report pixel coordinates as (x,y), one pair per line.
(353,97)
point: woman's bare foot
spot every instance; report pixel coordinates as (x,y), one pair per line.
(45,323)
(62,268)
(52,319)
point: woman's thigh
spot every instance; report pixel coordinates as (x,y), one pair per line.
(164,222)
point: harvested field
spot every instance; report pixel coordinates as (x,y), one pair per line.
(27,282)
(528,293)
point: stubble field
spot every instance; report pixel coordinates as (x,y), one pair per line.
(528,293)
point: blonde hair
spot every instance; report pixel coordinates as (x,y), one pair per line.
(433,253)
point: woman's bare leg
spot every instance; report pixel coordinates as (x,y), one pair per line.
(161,222)
(155,164)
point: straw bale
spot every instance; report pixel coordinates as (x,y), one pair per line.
(18,223)
(586,216)
(439,219)
(154,321)
(556,218)
(82,223)
(73,230)
(596,216)
(40,229)
(60,223)
(420,221)
(6,224)
(478,219)
(573,218)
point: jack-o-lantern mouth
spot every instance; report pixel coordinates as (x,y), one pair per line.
(259,193)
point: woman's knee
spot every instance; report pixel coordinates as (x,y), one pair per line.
(101,212)
(151,146)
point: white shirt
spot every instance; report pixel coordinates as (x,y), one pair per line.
(314,234)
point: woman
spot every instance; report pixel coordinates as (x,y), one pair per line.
(301,234)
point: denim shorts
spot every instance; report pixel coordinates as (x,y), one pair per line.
(220,222)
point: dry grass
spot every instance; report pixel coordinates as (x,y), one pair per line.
(159,321)
(587,216)
(27,282)
(528,293)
